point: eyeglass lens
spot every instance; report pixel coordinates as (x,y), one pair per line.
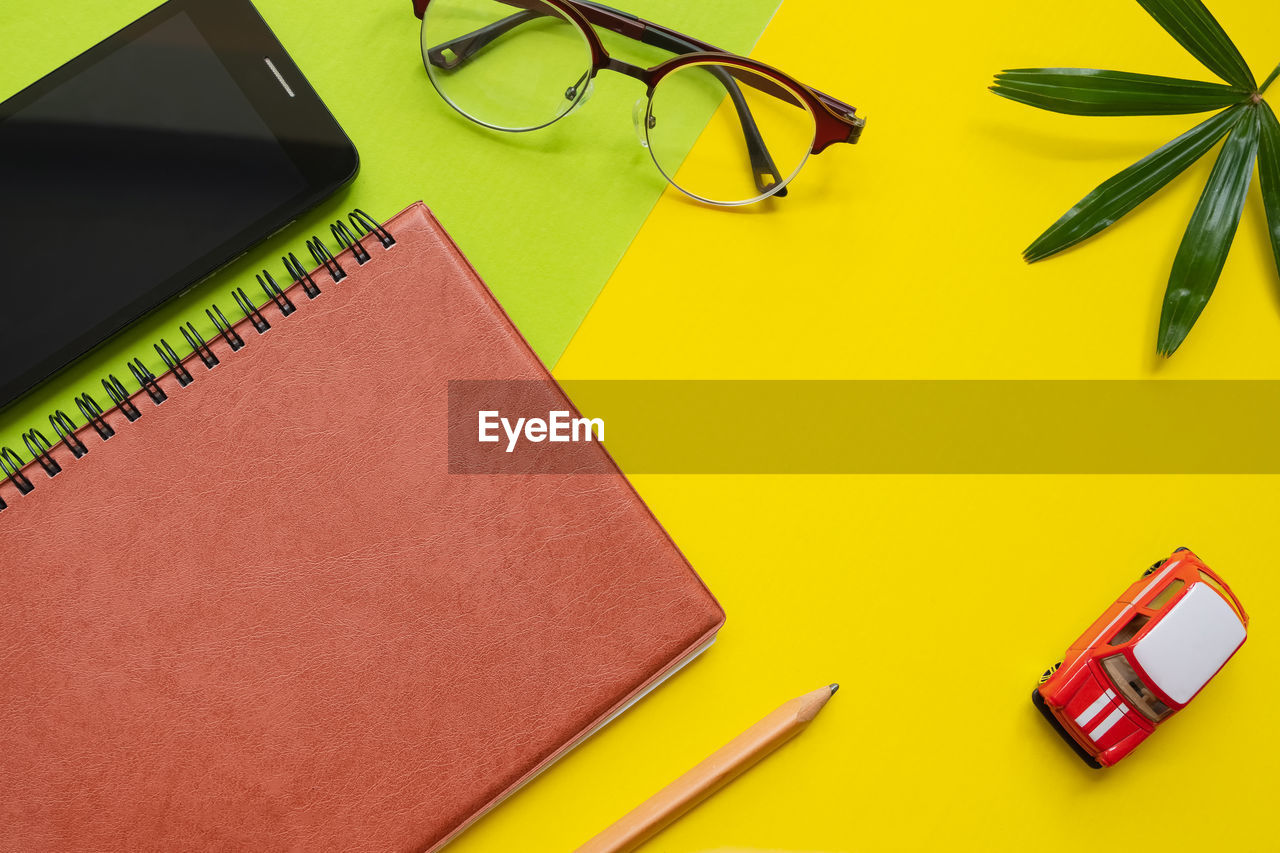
(746,135)
(505,66)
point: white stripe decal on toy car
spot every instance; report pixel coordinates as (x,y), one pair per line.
(1111,720)
(1095,709)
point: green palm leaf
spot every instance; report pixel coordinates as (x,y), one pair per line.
(1205,245)
(1122,193)
(1094,92)
(1252,133)
(1271,79)
(1269,172)
(1199,32)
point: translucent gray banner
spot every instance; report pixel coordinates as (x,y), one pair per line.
(874,427)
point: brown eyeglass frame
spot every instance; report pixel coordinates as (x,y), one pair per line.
(834,120)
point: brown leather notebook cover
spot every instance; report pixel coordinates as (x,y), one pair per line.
(264,616)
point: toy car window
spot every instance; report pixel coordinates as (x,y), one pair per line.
(1166,595)
(1130,630)
(1222,592)
(1138,694)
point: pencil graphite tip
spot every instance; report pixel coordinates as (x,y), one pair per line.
(834,688)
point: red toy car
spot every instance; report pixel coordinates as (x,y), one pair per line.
(1143,660)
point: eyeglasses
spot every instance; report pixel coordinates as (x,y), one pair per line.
(721,128)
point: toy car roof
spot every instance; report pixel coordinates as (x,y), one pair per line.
(1191,643)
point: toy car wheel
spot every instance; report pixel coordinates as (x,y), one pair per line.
(1048,673)
(1157,564)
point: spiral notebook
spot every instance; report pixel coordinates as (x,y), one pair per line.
(249,608)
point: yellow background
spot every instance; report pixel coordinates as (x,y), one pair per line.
(937,601)
(934,601)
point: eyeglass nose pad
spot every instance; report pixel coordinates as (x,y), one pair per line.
(639,117)
(571,95)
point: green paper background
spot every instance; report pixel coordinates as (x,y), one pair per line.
(544,216)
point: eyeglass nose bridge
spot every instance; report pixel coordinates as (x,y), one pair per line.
(644,75)
(640,116)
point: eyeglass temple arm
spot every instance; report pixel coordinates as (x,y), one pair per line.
(762,166)
(647,32)
(763,170)
(469,44)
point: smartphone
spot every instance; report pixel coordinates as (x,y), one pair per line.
(143,165)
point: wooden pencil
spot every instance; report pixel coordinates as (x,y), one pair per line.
(710,775)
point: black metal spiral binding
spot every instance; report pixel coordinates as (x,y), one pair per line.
(301,276)
(38,446)
(224,327)
(251,312)
(366,224)
(275,294)
(42,450)
(347,240)
(115,388)
(175,365)
(199,347)
(66,430)
(11,463)
(147,381)
(93,414)
(320,252)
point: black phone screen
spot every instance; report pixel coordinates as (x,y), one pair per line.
(128,181)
